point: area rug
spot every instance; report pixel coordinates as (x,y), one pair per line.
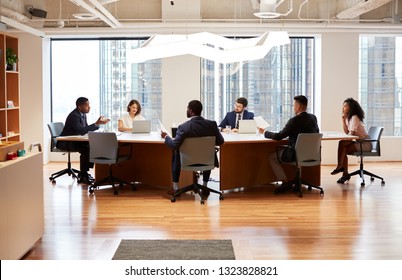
(174,250)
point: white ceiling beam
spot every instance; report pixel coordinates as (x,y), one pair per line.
(101,8)
(360,8)
(94,11)
(21,26)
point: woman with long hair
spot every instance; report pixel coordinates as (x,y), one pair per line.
(125,123)
(352,121)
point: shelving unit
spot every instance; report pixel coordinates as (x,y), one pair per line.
(9,91)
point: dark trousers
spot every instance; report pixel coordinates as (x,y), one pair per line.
(82,148)
(176,168)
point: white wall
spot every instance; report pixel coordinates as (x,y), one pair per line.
(31,89)
(339,76)
(180,84)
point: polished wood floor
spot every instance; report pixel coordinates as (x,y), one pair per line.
(347,223)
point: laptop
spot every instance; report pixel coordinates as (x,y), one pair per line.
(247,127)
(141,126)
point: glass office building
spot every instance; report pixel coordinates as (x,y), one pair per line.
(269,84)
(120,81)
(380,82)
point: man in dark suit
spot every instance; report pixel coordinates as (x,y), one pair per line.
(76,124)
(239,113)
(302,122)
(197,126)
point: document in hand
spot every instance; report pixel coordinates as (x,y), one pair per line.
(261,123)
(162,127)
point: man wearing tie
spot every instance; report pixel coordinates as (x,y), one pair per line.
(76,124)
(239,113)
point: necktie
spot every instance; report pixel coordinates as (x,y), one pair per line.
(238,120)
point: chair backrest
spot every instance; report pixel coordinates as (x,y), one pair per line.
(308,149)
(375,133)
(198,153)
(55,129)
(103,147)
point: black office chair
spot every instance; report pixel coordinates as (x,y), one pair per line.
(374,133)
(104,149)
(55,129)
(307,153)
(197,154)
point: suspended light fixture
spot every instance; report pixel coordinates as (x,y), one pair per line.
(209,46)
(268,8)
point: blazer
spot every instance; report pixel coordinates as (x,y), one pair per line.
(74,125)
(197,126)
(301,123)
(230,118)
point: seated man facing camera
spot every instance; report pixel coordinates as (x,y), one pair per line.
(239,113)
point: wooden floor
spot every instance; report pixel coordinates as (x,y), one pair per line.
(348,222)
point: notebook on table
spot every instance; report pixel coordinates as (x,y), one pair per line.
(141,126)
(247,127)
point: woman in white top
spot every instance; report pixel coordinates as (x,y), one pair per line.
(352,120)
(125,123)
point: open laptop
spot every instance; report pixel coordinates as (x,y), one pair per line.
(141,126)
(247,127)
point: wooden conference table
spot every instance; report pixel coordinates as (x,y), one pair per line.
(243,160)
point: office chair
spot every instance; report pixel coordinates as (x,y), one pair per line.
(104,149)
(374,133)
(197,154)
(307,153)
(55,129)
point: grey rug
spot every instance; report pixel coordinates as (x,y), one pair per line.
(174,250)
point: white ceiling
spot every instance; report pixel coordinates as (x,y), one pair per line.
(145,17)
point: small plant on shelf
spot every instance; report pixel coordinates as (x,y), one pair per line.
(11,59)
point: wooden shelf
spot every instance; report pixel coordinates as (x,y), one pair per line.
(9,92)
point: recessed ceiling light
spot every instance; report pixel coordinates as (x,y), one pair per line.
(85,16)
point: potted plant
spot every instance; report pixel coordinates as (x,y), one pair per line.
(11,59)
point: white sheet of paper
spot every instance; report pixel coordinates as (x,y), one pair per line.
(163,128)
(261,123)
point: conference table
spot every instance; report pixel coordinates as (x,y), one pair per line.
(243,160)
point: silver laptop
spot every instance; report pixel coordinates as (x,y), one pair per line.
(141,126)
(247,127)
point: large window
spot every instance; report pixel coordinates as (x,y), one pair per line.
(381,81)
(269,84)
(99,70)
